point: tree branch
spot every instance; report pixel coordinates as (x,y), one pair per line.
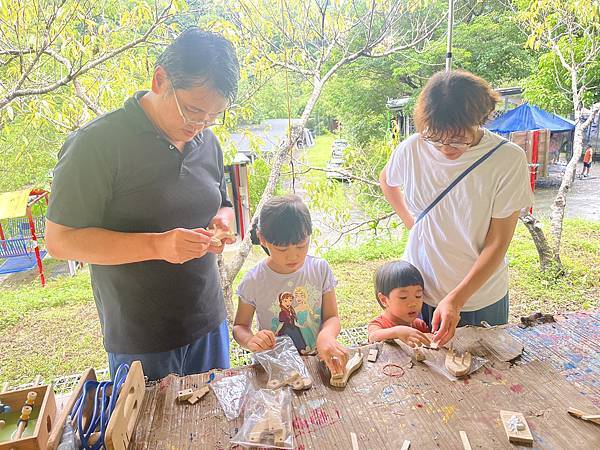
(16,93)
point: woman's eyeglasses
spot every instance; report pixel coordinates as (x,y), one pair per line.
(197,123)
(456,145)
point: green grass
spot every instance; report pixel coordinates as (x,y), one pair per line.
(54,331)
(319,155)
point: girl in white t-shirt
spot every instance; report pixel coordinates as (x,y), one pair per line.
(291,292)
(459,244)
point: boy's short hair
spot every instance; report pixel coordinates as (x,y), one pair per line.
(396,274)
(451,102)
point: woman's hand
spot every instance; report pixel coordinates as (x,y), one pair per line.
(412,336)
(261,341)
(445,319)
(333,353)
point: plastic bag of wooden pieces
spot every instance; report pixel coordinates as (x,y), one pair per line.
(267,420)
(437,362)
(231,393)
(284,366)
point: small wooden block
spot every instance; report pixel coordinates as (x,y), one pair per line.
(217,239)
(465,440)
(405,445)
(274,383)
(373,353)
(516,436)
(351,366)
(298,384)
(418,354)
(198,394)
(182,396)
(457,365)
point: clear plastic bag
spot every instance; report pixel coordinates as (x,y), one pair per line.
(231,393)
(437,361)
(284,366)
(267,420)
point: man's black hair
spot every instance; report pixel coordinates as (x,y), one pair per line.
(197,57)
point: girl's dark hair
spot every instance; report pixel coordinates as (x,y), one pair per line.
(396,274)
(283,220)
(197,57)
(451,102)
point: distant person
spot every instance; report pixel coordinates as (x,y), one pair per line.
(136,193)
(460,230)
(587,162)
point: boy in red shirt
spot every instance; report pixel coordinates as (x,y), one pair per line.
(587,162)
(399,290)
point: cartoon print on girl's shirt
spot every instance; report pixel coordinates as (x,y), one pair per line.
(298,315)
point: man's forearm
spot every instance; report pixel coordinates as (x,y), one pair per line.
(101,246)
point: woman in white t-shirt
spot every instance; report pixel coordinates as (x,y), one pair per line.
(459,243)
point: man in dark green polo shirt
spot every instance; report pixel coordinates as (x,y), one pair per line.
(135,194)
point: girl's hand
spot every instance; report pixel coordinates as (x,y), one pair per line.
(333,353)
(261,341)
(444,321)
(413,337)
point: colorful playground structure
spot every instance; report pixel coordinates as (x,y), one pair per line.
(21,231)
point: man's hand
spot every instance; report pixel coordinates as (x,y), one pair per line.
(217,224)
(181,245)
(261,341)
(333,353)
(444,321)
(413,337)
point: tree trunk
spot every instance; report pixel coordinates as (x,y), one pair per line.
(545,253)
(229,271)
(560,202)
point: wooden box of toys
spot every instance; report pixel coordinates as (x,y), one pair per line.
(27,418)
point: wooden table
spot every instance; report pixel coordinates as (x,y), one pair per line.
(559,368)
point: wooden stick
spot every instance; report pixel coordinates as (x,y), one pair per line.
(465,440)
(354,440)
(405,445)
(594,418)
(23,419)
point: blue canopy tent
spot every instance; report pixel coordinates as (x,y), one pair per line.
(528,117)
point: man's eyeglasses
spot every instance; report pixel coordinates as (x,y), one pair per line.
(197,123)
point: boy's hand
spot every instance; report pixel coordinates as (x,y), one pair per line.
(413,337)
(261,341)
(333,353)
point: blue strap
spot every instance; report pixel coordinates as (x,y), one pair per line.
(457,180)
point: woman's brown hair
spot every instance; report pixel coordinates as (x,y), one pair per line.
(452,102)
